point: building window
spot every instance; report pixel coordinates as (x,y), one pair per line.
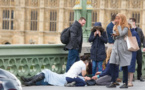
(94,17)
(53,20)
(34,18)
(137,17)
(71,18)
(8,20)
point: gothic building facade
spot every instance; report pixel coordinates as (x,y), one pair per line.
(42,21)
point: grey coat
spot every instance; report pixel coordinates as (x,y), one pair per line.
(120,55)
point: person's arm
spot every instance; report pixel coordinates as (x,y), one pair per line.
(84,73)
(142,38)
(138,40)
(103,37)
(74,34)
(122,32)
(92,37)
(106,71)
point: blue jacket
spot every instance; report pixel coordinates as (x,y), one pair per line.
(107,71)
(109,30)
(98,46)
(134,33)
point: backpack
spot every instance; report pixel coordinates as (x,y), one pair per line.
(65,36)
(91,82)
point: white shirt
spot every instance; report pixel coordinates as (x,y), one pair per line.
(76,69)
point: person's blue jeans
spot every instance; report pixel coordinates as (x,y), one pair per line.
(79,82)
(73,56)
(96,65)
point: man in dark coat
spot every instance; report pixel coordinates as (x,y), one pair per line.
(139,52)
(75,44)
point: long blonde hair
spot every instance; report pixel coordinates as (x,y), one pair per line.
(124,24)
(108,52)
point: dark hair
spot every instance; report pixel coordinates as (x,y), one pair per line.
(133,19)
(113,16)
(101,29)
(84,57)
(82,18)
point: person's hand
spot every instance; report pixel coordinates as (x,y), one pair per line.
(99,33)
(95,33)
(143,50)
(87,78)
(95,78)
(97,73)
(114,35)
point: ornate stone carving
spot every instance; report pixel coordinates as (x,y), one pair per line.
(135,3)
(95,3)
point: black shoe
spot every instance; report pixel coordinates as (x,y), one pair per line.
(72,84)
(116,83)
(26,79)
(141,79)
(35,79)
(112,85)
(124,86)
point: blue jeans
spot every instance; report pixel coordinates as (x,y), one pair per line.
(73,56)
(79,82)
(96,65)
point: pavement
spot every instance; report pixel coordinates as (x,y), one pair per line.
(137,86)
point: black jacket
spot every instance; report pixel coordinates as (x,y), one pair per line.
(141,35)
(98,52)
(76,37)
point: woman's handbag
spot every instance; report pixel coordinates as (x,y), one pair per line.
(132,43)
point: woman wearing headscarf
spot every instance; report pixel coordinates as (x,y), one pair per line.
(120,54)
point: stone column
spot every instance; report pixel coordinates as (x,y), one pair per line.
(61,18)
(102,12)
(143,17)
(1,19)
(124,6)
(20,19)
(41,23)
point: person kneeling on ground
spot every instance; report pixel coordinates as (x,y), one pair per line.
(76,69)
(104,78)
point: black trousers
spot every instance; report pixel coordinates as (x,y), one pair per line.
(139,63)
(113,73)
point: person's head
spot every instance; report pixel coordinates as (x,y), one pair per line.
(97,24)
(98,28)
(82,21)
(113,16)
(120,18)
(133,20)
(85,59)
(108,52)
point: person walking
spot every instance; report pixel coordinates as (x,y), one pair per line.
(139,52)
(131,67)
(75,44)
(98,38)
(120,54)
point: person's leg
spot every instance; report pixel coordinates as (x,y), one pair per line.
(125,74)
(100,66)
(125,77)
(35,79)
(113,72)
(79,82)
(105,80)
(139,62)
(130,76)
(73,56)
(94,66)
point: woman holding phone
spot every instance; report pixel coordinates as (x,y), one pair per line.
(120,54)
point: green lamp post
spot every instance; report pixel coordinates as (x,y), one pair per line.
(83,8)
